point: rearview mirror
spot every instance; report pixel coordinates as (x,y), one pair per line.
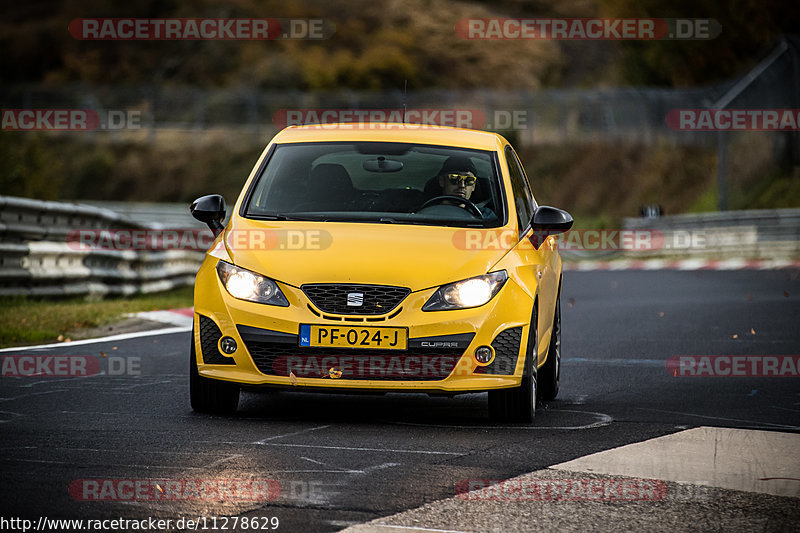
(210,209)
(382,165)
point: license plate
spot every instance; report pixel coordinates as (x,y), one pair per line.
(354,337)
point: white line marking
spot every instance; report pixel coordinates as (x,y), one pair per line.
(151,466)
(603,420)
(785,408)
(757,422)
(353,449)
(91,413)
(348,471)
(13,414)
(131,452)
(106,379)
(31,394)
(381,466)
(618,362)
(141,385)
(49,381)
(119,337)
(342,523)
(329,471)
(262,441)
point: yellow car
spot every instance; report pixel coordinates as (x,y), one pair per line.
(381,257)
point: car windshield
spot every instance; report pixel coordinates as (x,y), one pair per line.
(379,182)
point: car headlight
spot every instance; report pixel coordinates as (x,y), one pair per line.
(472,292)
(246,285)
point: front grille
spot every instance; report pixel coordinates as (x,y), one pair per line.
(277,354)
(506,351)
(377,299)
(209,337)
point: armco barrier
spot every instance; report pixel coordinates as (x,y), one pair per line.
(35,258)
(23,219)
(763,233)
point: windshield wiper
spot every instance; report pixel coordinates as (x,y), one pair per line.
(281,216)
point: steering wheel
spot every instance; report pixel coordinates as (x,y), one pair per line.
(462,202)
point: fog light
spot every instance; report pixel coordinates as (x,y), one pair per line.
(483,354)
(227,345)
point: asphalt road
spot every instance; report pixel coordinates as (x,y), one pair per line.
(344,459)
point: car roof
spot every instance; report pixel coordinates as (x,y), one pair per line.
(391,132)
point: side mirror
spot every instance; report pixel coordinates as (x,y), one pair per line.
(210,209)
(551,220)
(548,221)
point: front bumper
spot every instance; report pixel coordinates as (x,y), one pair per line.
(439,358)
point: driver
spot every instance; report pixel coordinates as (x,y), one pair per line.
(458,177)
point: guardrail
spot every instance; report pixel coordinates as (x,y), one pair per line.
(37,259)
(756,234)
(153,215)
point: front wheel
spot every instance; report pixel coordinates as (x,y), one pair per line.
(519,403)
(210,395)
(550,373)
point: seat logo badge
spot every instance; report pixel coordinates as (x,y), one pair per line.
(355,299)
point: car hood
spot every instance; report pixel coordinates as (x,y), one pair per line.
(413,256)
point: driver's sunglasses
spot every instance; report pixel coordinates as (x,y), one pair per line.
(454,178)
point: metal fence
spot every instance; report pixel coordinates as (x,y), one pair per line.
(546,116)
(635,115)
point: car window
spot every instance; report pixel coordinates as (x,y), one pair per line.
(377,182)
(527,179)
(523,199)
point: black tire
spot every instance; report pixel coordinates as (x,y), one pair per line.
(519,403)
(550,373)
(210,395)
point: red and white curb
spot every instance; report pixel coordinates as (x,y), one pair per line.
(175,317)
(683,264)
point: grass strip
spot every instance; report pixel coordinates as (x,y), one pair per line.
(28,320)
